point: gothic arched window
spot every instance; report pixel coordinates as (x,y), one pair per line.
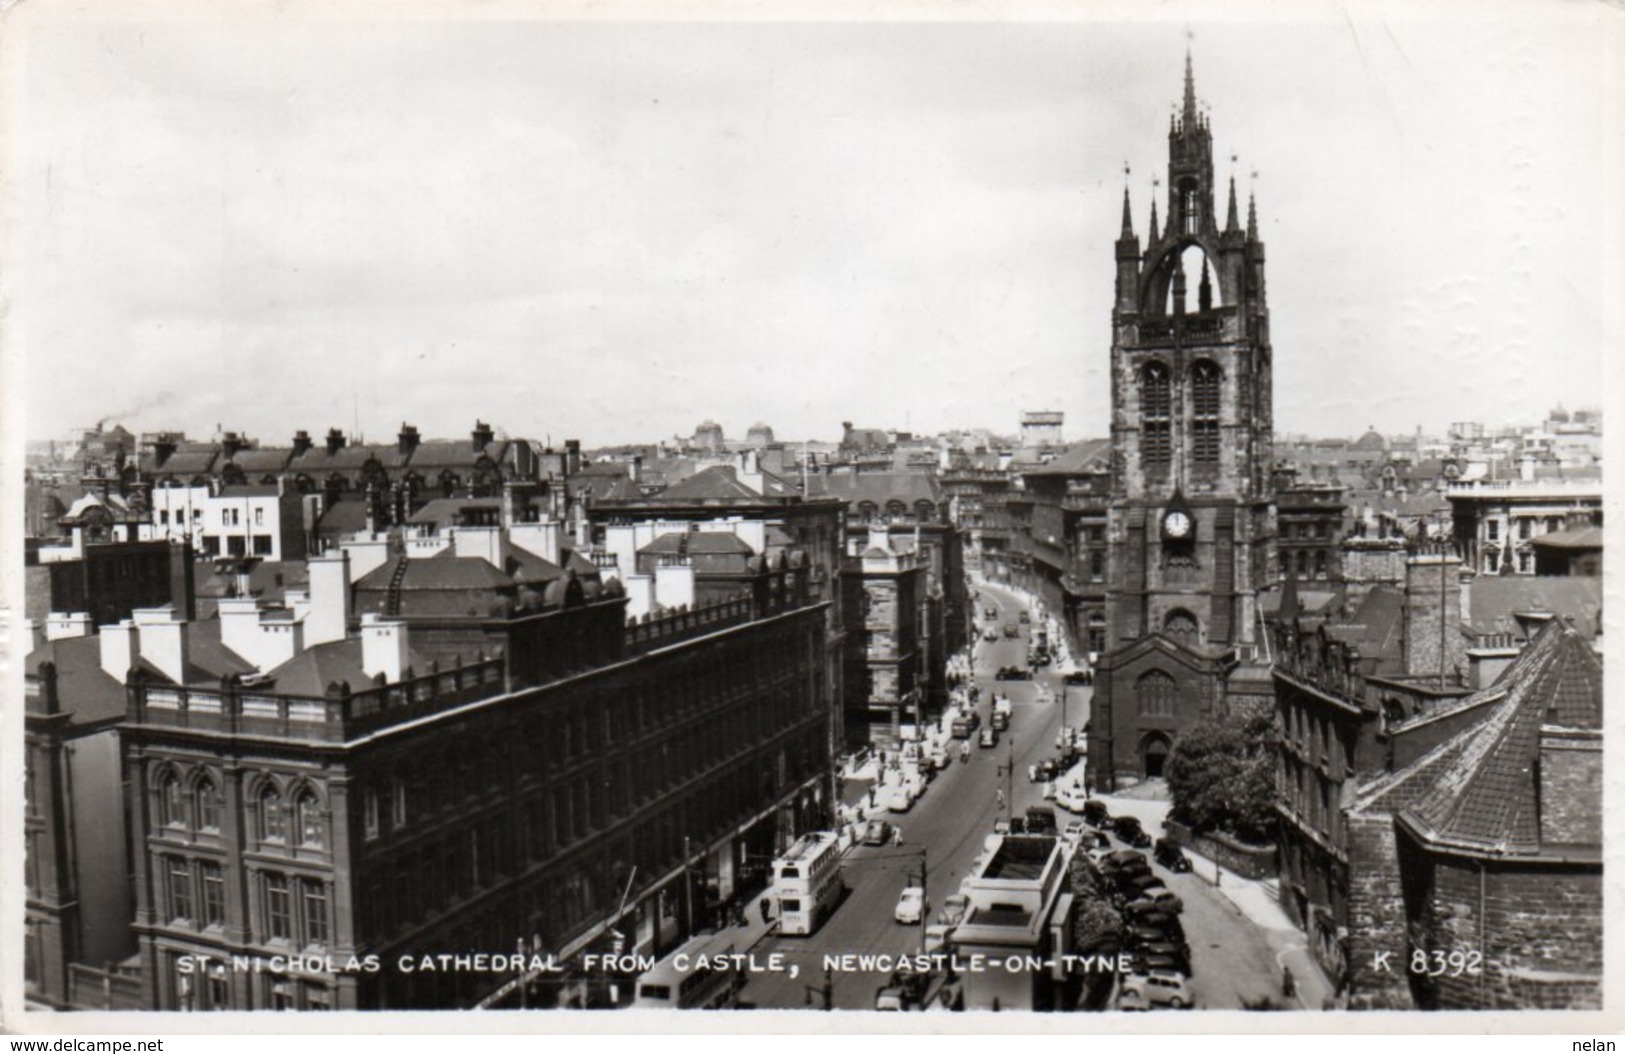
(1205,378)
(1181,626)
(1154,693)
(1156,417)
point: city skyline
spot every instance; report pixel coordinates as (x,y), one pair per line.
(350,217)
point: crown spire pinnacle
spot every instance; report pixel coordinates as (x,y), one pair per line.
(1190,90)
(1151,236)
(1252,216)
(1231,223)
(1128,221)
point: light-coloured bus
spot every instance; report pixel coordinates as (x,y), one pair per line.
(807,882)
(697,976)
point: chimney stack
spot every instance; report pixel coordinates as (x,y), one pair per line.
(483,436)
(120,651)
(335,441)
(165,641)
(572,456)
(329,618)
(63,625)
(301,442)
(230,444)
(408,438)
(384,648)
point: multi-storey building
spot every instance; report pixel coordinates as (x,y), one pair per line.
(1190,520)
(1059,519)
(892,517)
(1309,529)
(1498,522)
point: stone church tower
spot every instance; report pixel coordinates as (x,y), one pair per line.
(1190,520)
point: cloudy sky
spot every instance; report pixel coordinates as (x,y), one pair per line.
(303,216)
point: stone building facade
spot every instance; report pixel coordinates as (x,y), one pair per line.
(1190,521)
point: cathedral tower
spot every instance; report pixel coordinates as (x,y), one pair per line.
(1190,517)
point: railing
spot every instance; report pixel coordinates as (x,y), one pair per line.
(685,623)
(338,716)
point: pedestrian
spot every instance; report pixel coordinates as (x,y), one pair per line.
(767,912)
(897,835)
(871,797)
(1288,987)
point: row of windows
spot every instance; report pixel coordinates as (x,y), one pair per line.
(291,910)
(198,808)
(1317,529)
(1156,414)
(210,988)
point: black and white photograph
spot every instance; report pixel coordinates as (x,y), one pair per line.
(588,512)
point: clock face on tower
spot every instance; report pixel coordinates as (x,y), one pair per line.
(1177,525)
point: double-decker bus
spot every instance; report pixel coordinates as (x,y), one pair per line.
(697,976)
(807,882)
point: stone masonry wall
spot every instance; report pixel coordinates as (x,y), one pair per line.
(1376,916)
(1571,789)
(1539,930)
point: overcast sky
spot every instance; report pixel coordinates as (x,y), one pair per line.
(613,230)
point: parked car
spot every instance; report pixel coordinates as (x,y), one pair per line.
(954,909)
(910,906)
(1025,618)
(1079,677)
(1156,988)
(1001,719)
(1166,957)
(1177,952)
(1013,673)
(1171,856)
(989,737)
(991,612)
(1167,900)
(1040,819)
(1095,813)
(1142,883)
(877,832)
(1073,832)
(936,937)
(1011,631)
(1126,827)
(989,636)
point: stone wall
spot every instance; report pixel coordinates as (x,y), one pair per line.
(1376,916)
(1537,927)
(1248,861)
(1570,788)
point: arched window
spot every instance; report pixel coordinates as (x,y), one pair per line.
(208,805)
(308,819)
(273,816)
(1205,378)
(1154,692)
(1320,563)
(1181,625)
(1156,417)
(171,802)
(1190,211)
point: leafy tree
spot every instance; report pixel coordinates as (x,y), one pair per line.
(1097,926)
(1221,775)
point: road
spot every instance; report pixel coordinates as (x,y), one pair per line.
(946,828)
(1231,958)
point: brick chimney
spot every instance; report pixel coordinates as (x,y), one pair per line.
(230,444)
(61,625)
(1433,637)
(408,438)
(163,448)
(482,436)
(572,456)
(301,442)
(335,441)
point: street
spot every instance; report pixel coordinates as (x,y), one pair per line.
(946,829)
(1230,957)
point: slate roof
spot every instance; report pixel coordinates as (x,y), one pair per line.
(440,454)
(1495,600)
(698,542)
(262,459)
(189,459)
(1576,538)
(249,490)
(1488,798)
(345,516)
(883,487)
(443,512)
(311,671)
(443,571)
(717,483)
(83,688)
(1082,458)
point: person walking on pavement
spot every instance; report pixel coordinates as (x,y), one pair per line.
(767,911)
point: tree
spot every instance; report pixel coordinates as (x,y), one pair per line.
(1221,775)
(1097,926)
